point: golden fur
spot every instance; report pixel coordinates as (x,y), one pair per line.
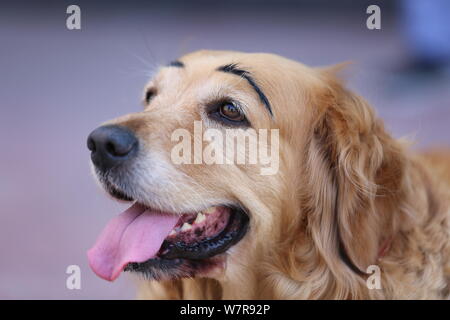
(347,194)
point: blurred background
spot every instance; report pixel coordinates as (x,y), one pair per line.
(56,85)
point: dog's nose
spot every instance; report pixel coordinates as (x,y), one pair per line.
(111,145)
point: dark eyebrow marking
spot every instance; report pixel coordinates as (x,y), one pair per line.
(233,68)
(176,63)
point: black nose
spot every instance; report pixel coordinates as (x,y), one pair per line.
(111,145)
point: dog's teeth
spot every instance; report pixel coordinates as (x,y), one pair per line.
(209,210)
(186,226)
(200,218)
(172,233)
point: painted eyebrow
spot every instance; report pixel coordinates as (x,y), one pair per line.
(176,63)
(233,69)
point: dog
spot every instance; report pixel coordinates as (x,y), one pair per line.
(347,204)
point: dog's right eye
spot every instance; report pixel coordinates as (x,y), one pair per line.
(149,95)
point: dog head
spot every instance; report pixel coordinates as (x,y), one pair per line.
(203,210)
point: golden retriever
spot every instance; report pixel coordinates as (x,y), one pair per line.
(347,203)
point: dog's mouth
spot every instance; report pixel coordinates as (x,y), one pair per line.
(162,245)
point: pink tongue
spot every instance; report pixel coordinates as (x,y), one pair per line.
(136,235)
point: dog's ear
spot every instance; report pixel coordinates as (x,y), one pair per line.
(353,169)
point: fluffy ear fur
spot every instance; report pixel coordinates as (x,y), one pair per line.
(354,171)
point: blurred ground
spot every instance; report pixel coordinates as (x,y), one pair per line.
(57,85)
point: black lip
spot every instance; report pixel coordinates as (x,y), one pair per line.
(112,190)
(119,195)
(153,263)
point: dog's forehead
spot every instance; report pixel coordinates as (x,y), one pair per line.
(205,57)
(213,60)
(263,67)
(201,64)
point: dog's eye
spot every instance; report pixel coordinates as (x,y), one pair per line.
(149,94)
(228,113)
(231,112)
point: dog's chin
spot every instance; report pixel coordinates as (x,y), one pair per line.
(197,246)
